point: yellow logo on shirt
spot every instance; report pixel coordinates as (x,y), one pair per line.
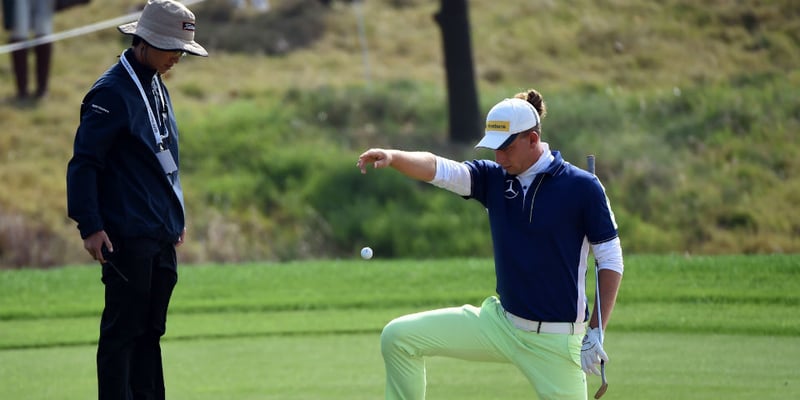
(497,126)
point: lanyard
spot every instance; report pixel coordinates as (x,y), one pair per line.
(153,121)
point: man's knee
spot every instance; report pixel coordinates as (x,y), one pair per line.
(394,336)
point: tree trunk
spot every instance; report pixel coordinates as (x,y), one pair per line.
(465,118)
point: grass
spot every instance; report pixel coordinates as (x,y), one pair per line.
(644,366)
(608,53)
(684,327)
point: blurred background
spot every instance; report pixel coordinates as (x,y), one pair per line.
(691,107)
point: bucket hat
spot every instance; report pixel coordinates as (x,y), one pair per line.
(166,25)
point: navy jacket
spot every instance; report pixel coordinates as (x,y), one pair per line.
(114,179)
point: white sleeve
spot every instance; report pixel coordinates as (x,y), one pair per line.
(609,255)
(453,176)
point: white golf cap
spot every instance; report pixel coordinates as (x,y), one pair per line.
(167,25)
(505,119)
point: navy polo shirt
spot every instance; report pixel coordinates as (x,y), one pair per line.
(540,237)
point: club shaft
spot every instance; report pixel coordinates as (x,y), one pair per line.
(590,165)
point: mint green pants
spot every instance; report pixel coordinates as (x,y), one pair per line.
(551,362)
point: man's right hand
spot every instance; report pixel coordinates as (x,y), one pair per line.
(94,245)
(379,158)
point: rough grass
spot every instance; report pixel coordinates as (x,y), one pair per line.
(632,49)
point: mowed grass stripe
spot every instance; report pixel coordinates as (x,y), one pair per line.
(750,319)
(59,332)
(650,365)
(733,319)
(76,291)
(729,279)
(317,285)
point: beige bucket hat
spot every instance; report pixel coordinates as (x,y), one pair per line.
(167,25)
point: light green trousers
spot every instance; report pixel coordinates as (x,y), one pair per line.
(551,362)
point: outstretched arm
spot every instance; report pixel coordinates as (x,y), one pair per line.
(414,164)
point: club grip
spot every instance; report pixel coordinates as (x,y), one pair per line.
(590,163)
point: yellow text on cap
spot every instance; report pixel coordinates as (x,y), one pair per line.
(497,126)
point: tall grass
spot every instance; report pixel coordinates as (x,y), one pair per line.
(689,108)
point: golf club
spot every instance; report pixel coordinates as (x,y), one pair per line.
(604,386)
(590,163)
(124,278)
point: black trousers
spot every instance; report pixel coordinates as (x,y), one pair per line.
(139,280)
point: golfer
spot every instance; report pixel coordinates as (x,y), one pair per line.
(124,191)
(545,215)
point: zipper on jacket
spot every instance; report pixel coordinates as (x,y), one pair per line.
(533,197)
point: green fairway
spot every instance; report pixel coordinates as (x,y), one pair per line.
(348,366)
(684,328)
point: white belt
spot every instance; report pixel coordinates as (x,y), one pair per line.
(566,328)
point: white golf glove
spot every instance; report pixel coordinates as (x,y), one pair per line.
(592,352)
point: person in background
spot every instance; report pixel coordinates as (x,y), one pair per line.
(545,215)
(261,6)
(31,17)
(124,191)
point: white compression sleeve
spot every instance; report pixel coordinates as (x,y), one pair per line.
(453,176)
(609,255)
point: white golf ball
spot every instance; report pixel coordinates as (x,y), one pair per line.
(366,253)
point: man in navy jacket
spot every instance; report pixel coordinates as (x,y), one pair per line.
(124,191)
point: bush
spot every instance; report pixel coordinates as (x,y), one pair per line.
(292,180)
(292,24)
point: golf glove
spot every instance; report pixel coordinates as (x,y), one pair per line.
(592,352)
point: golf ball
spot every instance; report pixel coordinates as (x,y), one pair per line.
(366,253)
